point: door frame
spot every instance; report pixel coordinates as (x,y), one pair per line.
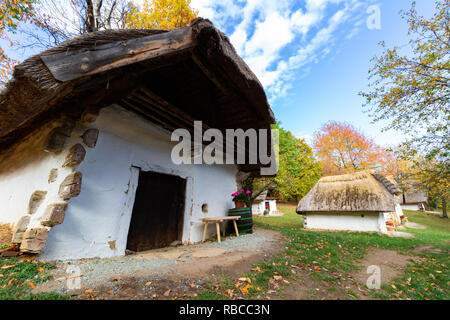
(125,217)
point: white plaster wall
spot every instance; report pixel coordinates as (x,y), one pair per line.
(29,172)
(101,213)
(258,208)
(414,207)
(346,221)
(272,206)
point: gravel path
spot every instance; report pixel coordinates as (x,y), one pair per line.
(154,264)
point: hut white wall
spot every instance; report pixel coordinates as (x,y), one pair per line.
(414,207)
(258,208)
(101,214)
(24,170)
(272,206)
(370,221)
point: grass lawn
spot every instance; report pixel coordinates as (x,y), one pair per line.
(331,256)
(19,276)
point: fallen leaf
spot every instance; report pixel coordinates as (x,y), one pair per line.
(278,278)
(244,290)
(32,285)
(11,281)
(166,294)
(8,266)
(246,280)
(40,269)
(148,283)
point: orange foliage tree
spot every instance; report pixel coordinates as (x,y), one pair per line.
(161,14)
(341,148)
(11,13)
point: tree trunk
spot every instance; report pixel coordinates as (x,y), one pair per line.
(444,208)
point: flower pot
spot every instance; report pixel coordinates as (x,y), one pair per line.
(239,205)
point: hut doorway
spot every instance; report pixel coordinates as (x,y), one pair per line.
(157,217)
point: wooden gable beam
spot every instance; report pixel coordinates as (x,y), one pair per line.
(85,62)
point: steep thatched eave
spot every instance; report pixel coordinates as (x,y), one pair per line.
(223,91)
(356,192)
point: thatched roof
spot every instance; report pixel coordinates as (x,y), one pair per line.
(364,191)
(193,71)
(261,197)
(415,195)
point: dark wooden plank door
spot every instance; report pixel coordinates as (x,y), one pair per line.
(157,218)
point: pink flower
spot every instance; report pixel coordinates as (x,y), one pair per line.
(242,190)
(234,194)
(248,192)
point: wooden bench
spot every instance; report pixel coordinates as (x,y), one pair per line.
(217,221)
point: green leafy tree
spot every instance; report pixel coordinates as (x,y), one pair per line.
(412,92)
(298,169)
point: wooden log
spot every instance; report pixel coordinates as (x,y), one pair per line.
(79,63)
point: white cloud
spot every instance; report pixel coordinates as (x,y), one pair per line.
(278,37)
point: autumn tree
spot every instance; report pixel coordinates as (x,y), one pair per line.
(12,12)
(161,14)
(341,148)
(56,21)
(298,168)
(411,89)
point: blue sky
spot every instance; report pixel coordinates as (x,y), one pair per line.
(312,56)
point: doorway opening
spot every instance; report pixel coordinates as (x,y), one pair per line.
(158,211)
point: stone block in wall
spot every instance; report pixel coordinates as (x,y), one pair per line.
(75,156)
(34,240)
(71,186)
(90,137)
(53,175)
(58,137)
(20,228)
(36,200)
(54,214)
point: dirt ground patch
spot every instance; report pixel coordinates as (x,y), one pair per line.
(391,263)
(428,249)
(149,275)
(5,234)
(307,288)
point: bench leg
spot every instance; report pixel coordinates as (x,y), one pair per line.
(218,231)
(204,231)
(224,228)
(235,228)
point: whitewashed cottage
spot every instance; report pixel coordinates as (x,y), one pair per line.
(85,140)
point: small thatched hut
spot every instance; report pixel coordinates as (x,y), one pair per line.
(263,203)
(356,201)
(413,198)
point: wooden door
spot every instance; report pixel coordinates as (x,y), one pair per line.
(157,218)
